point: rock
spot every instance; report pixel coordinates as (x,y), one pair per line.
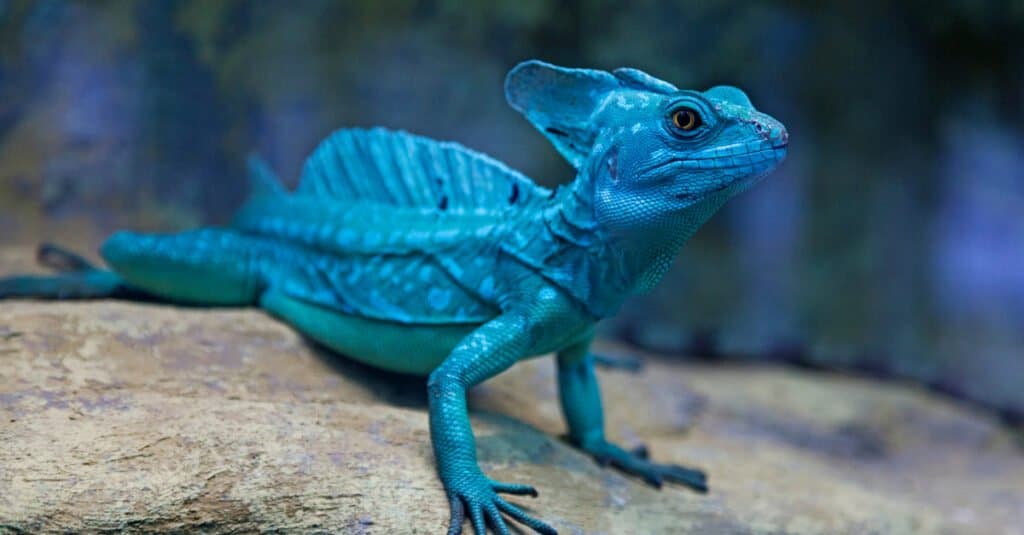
(145,418)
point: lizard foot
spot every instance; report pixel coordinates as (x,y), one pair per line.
(62,260)
(629,364)
(479,496)
(635,462)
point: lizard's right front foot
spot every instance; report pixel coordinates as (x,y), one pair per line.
(479,496)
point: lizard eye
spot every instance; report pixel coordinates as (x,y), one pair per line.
(686,119)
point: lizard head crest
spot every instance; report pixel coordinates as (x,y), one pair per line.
(645,132)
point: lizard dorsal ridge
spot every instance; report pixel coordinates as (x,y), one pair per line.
(402,169)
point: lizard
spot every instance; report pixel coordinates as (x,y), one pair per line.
(425,257)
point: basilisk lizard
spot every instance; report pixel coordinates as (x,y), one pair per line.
(424,257)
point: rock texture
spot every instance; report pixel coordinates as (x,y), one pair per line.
(143,418)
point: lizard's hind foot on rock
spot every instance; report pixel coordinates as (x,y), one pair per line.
(62,260)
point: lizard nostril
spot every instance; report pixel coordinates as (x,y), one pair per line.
(782,139)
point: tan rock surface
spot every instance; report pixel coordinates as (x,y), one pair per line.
(144,418)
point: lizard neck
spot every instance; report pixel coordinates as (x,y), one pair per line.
(578,255)
(570,213)
(633,257)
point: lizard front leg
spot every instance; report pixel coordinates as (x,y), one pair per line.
(486,352)
(581,405)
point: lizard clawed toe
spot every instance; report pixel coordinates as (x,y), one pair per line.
(485,508)
(516,489)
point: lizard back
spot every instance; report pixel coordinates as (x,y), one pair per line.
(401,169)
(406,228)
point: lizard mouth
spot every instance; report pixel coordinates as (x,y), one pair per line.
(738,171)
(759,157)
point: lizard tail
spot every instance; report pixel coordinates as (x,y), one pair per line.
(76,279)
(95,284)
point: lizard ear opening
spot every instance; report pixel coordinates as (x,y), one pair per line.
(560,102)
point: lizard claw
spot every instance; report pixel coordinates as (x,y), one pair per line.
(515,489)
(456,517)
(485,508)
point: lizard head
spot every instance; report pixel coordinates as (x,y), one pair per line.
(650,151)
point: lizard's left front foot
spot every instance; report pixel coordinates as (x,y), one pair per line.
(479,495)
(635,462)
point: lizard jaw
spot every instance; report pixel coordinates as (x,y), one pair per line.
(740,171)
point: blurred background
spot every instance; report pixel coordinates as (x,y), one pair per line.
(891,241)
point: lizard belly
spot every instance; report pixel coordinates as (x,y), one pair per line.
(392,346)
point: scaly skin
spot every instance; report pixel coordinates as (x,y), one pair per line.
(423,257)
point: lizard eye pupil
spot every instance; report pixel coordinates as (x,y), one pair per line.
(686,119)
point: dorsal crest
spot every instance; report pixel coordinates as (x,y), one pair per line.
(402,169)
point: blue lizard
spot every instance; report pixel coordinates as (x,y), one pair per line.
(425,257)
